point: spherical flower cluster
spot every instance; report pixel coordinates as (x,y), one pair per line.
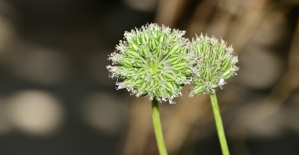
(213,63)
(152,61)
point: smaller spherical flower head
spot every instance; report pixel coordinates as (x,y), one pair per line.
(213,62)
(153,62)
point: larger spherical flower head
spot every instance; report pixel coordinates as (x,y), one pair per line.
(213,63)
(152,61)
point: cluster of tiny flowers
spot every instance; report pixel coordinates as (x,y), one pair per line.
(213,63)
(156,62)
(153,62)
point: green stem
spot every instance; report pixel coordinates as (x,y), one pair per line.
(219,124)
(158,128)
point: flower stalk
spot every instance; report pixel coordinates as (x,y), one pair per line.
(219,124)
(158,128)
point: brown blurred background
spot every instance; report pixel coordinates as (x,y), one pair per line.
(56,97)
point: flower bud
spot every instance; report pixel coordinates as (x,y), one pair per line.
(213,63)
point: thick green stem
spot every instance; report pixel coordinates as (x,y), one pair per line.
(219,124)
(158,128)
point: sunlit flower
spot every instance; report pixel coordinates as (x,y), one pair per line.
(153,62)
(213,63)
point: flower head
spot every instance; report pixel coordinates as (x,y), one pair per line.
(152,61)
(213,63)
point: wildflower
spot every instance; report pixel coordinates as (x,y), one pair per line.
(213,63)
(153,62)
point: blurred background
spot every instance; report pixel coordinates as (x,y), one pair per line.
(56,97)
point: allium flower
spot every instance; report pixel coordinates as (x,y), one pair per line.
(152,61)
(213,63)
